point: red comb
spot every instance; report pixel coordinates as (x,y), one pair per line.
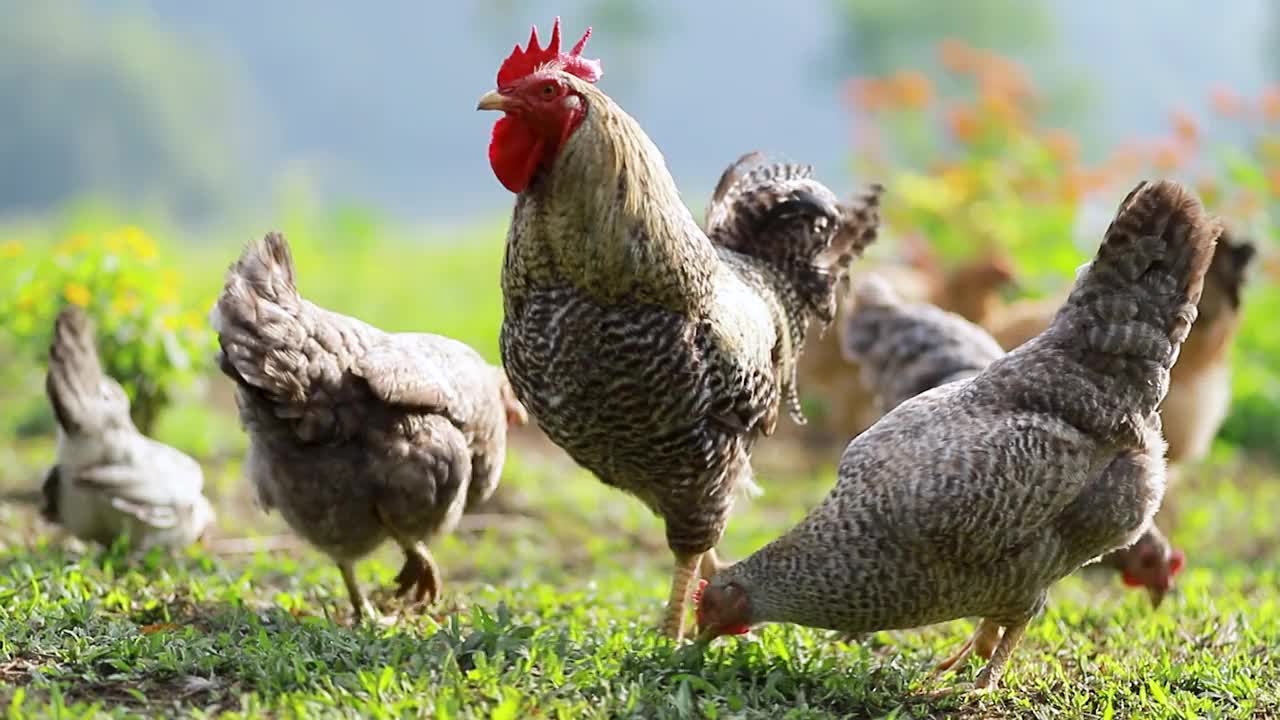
(524,61)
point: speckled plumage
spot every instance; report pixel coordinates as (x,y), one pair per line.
(904,349)
(111,480)
(654,354)
(973,498)
(356,435)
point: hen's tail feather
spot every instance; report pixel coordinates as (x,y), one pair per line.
(778,213)
(1133,305)
(257,320)
(75,374)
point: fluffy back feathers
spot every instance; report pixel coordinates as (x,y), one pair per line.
(778,213)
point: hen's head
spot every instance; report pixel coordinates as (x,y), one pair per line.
(722,609)
(536,92)
(1151,564)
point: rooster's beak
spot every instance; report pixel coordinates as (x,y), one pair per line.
(492,100)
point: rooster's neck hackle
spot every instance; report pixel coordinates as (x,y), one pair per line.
(605,217)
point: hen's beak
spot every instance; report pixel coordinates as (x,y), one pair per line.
(492,100)
(1157,596)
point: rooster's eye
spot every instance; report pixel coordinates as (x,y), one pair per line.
(548,91)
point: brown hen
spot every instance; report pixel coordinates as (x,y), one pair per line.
(357,435)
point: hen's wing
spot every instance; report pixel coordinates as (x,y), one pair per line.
(992,462)
(143,478)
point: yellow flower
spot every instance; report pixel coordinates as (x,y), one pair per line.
(124,304)
(193,320)
(138,242)
(114,242)
(73,245)
(77,294)
(10,249)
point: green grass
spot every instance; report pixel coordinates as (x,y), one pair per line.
(551,596)
(553,590)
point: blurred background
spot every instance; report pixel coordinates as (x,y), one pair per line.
(143,142)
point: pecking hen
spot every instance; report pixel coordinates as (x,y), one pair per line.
(973,498)
(654,351)
(357,435)
(905,349)
(111,480)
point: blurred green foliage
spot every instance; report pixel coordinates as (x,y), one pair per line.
(974,169)
(149,339)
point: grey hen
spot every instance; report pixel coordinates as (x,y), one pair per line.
(111,480)
(904,349)
(357,435)
(971,499)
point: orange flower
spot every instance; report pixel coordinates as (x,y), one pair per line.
(1062,146)
(963,123)
(957,56)
(1000,106)
(1271,103)
(867,94)
(1226,102)
(911,89)
(1166,157)
(1184,126)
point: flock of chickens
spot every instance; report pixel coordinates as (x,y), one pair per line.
(657,352)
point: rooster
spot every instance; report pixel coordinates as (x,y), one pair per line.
(357,435)
(973,498)
(654,351)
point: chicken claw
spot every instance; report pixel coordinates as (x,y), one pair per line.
(983,639)
(359,602)
(989,677)
(419,574)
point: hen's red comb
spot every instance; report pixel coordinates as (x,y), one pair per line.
(524,61)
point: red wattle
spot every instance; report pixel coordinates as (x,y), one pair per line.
(1132,580)
(1176,561)
(514,153)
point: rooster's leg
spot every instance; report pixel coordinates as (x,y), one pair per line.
(984,638)
(681,580)
(419,573)
(989,677)
(363,608)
